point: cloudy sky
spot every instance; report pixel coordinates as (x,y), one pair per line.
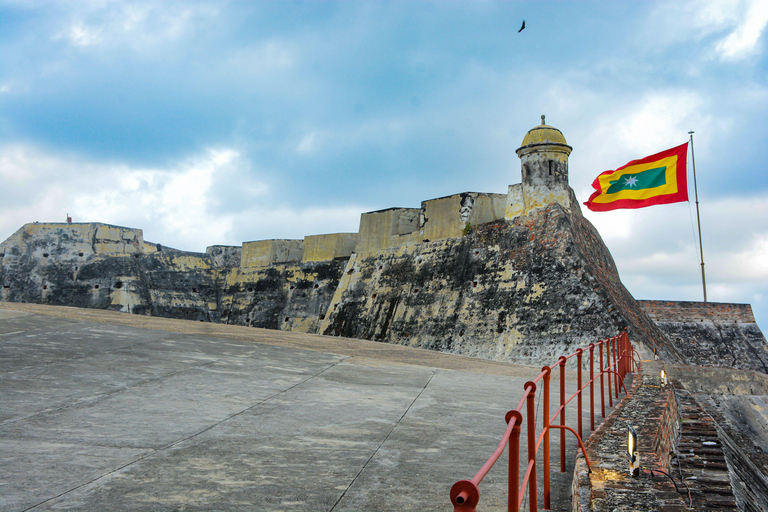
(218,122)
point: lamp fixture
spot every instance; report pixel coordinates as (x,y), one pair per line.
(632,453)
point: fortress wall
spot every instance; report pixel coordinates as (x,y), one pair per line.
(685,311)
(105,267)
(712,334)
(287,296)
(442,218)
(224,256)
(388,228)
(437,219)
(117,240)
(176,284)
(447,217)
(522,290)
(328,247)
(488,208)
(511,291)
(515,202)
(61,240)
(265,252)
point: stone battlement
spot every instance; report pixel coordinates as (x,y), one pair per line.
(686,311)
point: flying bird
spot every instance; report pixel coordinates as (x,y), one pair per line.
(521,28)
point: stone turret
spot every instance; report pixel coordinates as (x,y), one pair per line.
(544,167)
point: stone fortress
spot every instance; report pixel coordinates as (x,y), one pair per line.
(521,277)
(518,277)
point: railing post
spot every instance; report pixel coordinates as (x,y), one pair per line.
(616,367)
(579,400)
(610,375)
(620,368)
(513,486)
(592,386)
(623,363)
(561,362)
(602,385)
(545,428)
(532,497)
(630,362)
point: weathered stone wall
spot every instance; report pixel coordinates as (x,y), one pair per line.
(328,247)
(675,435)
(688,311)
(224,256)
(65,264)
(393,227)
(262,253)
(289,296)
(438,219)
(712,334)
(524,290)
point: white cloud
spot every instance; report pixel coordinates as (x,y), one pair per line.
(657,254)
(743,40)
(173,205)
(307,143)
(728,29)
(754,259)
(82,35)
(178,206)
(658,119)
(138,25)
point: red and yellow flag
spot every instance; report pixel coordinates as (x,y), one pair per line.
(655,179)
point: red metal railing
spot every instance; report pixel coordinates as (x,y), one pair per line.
(619,355)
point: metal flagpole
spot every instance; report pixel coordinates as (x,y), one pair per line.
(698,219)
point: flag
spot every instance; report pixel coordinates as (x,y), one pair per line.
(655,179)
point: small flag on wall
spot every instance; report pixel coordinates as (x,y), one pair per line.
(655,179)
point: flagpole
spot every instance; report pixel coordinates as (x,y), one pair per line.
(698,219)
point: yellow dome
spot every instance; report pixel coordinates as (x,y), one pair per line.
(544,135)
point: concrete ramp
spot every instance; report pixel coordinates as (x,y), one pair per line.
(108,411)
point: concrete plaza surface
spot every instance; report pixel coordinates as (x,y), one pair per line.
(109,411)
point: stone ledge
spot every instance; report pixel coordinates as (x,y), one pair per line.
(672,431)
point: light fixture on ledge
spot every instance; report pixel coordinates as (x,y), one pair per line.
(632,454)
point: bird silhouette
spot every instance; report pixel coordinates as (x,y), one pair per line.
(521,28)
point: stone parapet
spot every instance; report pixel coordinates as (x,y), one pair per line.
(711,333)
(687,311)
(263,253)
(675,436)
(328,247)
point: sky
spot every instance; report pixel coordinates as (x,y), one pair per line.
(219,122)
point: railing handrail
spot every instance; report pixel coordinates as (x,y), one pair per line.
(465,494)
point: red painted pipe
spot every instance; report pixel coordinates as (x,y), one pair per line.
(579,353)
(545,469)
(465,494)
(592,387)
(562,412)
(602,385)
(513,485)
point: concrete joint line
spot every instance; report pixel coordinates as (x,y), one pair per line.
(383,441)
(74,358)
(95,400)
(191,436)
